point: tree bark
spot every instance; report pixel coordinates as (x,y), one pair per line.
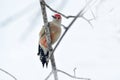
(47,31)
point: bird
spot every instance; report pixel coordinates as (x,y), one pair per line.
(55,32)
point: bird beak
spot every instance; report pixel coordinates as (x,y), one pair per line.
(53,16)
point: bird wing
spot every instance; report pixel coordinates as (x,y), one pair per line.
(55,32)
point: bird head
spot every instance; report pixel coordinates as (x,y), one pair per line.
(57,18)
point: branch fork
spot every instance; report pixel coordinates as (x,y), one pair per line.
(52,59)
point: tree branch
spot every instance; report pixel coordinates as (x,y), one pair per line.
(8,74)
(58,12)
(67,17)
(47,32)
(80,14)
(72,75)
(74,72)
(49,75)
(88,21)
(92,11)
(75,18)
(64,26)
(54,67)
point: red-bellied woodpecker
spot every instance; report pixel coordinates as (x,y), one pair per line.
(55,31)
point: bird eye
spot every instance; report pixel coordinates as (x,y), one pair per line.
(58,17)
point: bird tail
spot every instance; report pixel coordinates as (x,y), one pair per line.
(43,56)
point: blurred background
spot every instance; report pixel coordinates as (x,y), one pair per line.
(95,52)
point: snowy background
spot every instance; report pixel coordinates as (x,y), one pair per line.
(95,52)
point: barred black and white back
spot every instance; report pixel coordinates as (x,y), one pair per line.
(43,56)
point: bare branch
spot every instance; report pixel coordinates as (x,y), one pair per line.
(88,21)
(94,17)
(49,75)
(71,75)
(74,72)
(64,26)
(79,14)
(91,11)
(73,16)
(8,74)
(54,67)
(48,38)
(58,12)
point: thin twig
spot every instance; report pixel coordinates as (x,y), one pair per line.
(72,75)
(74,72)
(58,12)
(88,21)
(79,14)
(67,17)
(94,17)
(8,74)
(49,75)
(64,26)
(92,11)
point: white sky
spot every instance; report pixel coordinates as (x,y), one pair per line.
(94,52)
